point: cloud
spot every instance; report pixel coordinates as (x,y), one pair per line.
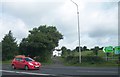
(98,20)
(17,26)
(32,13)
(99,24)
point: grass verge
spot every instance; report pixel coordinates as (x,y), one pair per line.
(6,62)
(88,64)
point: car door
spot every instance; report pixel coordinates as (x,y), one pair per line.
(22,63)
(16,63)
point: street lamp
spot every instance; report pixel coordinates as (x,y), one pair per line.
(78,31)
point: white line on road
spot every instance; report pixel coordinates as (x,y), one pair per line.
(27,73)
(99,71)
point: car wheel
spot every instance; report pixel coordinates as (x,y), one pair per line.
(13,67)
(26,67)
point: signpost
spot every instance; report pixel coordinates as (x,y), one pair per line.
(108,50)
(117,50)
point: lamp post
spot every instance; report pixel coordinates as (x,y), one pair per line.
(78,31)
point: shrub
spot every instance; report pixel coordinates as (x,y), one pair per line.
(85,59)
(72,59)
(92,59)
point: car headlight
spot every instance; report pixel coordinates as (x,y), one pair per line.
(30,63)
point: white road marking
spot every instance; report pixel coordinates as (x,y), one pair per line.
(26,73)
(99,71)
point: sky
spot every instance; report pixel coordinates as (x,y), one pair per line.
(98,20)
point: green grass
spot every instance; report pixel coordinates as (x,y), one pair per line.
(47,63)
(85,64)
(100,53)
(6,62)
(84,53)
(110,63)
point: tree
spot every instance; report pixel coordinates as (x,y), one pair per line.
(64,52)
(69,52)
(95,50)
(85,48)
(23,47)
(40,42)
(9,47)
(77,49)
(101,48)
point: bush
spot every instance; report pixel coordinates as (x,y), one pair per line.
(92,59)
(72,59)
(85,59)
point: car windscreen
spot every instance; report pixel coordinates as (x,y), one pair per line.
(29,59)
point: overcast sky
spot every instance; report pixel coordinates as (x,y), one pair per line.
(98,20)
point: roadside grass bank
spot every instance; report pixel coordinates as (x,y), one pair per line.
(85,64)
(47,63)
(90,59)
(110,63)
(113,63)
(6,62)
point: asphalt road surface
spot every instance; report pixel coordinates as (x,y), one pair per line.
(58,69)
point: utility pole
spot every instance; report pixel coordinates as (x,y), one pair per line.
(78,31)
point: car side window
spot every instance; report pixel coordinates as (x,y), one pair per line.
(18,59)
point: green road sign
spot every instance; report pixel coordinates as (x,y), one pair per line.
(108,49)
(117,50)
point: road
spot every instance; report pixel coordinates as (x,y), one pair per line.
(58,69)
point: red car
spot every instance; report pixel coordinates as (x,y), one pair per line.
(25,63)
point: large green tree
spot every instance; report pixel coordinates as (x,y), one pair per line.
(40,42)
(9,47)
